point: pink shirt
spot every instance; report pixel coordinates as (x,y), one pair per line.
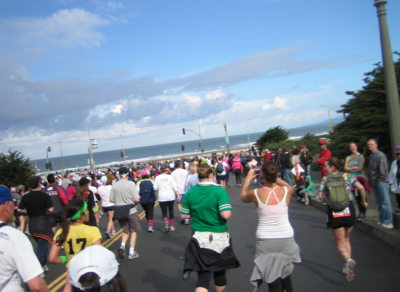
(70,192)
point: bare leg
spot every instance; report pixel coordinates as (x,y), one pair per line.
(362,193)
(110,226)
(200,289)
(342,243)
(21,223)
(125,237)
(220,288)
(68,286)
(133,239)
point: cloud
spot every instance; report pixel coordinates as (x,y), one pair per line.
(66,28)
(280,102)
(266,106)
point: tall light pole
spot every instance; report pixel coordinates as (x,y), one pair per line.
(198,123)
(247,128)
(62,161)
(122,142)
(329,116)
(90,147)
(392,95)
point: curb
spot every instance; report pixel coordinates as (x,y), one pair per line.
(388,236)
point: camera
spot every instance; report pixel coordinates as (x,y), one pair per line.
(257,171)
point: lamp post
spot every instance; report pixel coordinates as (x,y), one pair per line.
(122,142)
(329,116)
(247,128)
(392,95)
(198,123)
(90,147)
(62,161)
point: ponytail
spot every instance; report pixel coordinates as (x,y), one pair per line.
(70,210)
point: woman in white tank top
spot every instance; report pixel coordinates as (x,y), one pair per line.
(276,250)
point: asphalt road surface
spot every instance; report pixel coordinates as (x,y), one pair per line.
(159,266)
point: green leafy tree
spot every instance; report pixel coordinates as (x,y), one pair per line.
(15,169)
(273,135)
(365,116)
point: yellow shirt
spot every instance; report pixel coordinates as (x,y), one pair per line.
(79,237)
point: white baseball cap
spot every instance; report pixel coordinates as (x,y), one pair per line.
(93,259)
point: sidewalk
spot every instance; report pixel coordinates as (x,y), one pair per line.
(369,225)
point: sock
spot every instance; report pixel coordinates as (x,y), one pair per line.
(150,222)
(165,219)
(131,250)
(123,245)
(171,222)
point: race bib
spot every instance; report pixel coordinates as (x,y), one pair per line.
(344,213)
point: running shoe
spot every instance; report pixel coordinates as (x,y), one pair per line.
(348,269)
(172,228)
(121,253)
(303,200)
(379,223)
(45,268)
(361,217)
(113,232)
(101,213)
(27,233)
(151,230)
(388,226)
(186,221)
(108,234)
(186,275)
(42,275)
(133,256)
(167,228)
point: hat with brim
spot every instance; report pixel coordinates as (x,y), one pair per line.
(83,181)
(5,195)
(397,151)
(322,142)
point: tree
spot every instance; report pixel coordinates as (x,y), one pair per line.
(273,135)
(15,169)
(365,116)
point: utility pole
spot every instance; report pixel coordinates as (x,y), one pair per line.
(62,161)
(201,142)
(392,95)
(226,139)
(247,128)
(122,142)
(329,117)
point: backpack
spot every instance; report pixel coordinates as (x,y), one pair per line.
(336,193)
(146,192)
(220,167)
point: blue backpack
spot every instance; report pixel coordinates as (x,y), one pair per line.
(146,192)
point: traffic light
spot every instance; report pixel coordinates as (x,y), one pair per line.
(48,149)
(183,131)
(183,147)
(47,166)
(122,154)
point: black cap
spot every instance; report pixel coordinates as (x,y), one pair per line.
(123,170)
(83,181)
(34,181)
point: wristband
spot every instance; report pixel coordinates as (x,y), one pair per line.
(64,259)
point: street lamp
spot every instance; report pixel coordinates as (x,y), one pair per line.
(392,95)
(248,139)
(90,147)
(62,161)
(329,115)
(198,122)
(122,142)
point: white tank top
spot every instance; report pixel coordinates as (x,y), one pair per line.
(273,219)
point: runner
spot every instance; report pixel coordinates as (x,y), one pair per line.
(180,175)
(237,169)
(167,192)
(87,196)
(145,189)
(108,207)
(220,168)
(341,222)
(208,204)
(74,236)
(125,197)
(276,249)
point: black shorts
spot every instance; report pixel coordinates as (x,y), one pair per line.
(108,209)
(53,221)
(336,223)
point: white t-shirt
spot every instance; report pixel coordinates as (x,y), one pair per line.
(166,186)
(17,260)
(224,165)
(180,175)
(94,191)
(186,165)
(104,192)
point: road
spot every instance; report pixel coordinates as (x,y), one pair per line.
(160,263)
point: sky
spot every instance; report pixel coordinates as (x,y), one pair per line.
(150,67)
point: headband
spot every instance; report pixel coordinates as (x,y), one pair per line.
(80,212)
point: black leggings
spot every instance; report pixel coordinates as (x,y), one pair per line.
(280,285)
(204,277)
(238,176)
(148,210)
(170,205)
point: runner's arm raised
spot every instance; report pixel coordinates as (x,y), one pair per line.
(248,196)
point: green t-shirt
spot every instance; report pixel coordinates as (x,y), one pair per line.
(204,202)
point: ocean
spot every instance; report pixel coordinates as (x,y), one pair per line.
(153,152)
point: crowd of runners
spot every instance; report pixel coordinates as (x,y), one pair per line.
(63,212)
